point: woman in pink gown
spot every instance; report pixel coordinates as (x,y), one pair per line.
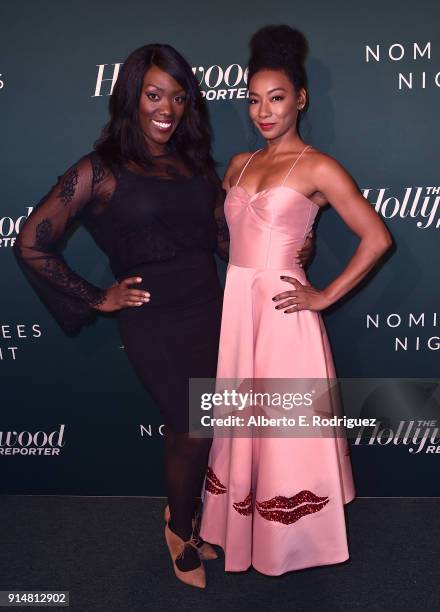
(277,503)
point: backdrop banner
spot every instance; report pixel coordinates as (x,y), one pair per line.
(74,417)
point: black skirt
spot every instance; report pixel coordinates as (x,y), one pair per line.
(175,336)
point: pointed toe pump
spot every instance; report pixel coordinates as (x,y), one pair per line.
(207,551)
(176,547)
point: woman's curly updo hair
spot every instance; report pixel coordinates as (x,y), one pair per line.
(280,47)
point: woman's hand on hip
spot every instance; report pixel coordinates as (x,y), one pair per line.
(302,297)
(120,295)
(304,254)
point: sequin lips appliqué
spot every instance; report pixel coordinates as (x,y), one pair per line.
(288,510)
(213,484)
(244,507)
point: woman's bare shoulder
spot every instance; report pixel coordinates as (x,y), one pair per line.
(322,162)
(234,167)
(328,173)
(237,161)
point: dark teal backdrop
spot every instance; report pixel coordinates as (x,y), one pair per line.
(374,72)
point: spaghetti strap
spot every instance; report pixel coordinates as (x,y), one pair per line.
(294,163)
(246,165)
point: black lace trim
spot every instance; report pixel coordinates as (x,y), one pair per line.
(68,186)
(43,234)
(98,170)
(67,280)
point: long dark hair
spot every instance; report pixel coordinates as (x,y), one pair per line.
(280,47)
(122,139)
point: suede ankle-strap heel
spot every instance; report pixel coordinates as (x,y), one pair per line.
(207,551)
(176,546)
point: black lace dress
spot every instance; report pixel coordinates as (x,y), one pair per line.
(163,225)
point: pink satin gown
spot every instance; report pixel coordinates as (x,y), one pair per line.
(274,503)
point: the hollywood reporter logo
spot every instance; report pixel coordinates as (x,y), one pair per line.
(27,443)
(417,436)
(10,228)
(216,82)
(417,204)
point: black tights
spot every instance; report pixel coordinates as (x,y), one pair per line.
(186,460)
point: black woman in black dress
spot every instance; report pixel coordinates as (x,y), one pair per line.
(150,197)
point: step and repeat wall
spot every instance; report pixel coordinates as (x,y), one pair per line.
(74,418)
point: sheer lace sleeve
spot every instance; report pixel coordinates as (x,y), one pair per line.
(222,227)
(69,297)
